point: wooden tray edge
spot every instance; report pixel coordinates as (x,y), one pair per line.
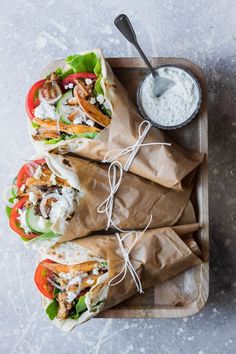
(196,306)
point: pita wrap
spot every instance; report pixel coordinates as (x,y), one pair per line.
(158,255)
(43,203)
(134,203)
(166,165)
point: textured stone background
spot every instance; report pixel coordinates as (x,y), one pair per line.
(32,34)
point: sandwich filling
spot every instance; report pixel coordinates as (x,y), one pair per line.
(69,286)
(69,102)
(41,203)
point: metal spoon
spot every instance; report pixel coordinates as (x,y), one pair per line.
(124,25)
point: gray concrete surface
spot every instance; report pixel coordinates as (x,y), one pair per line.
(32,34)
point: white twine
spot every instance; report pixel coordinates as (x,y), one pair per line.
(127,262)
(107,206)
(113,155)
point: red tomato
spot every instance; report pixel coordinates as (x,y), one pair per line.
(31,100)
(41,276)
(73,77)
(22,176)
(25,173)
(14,223)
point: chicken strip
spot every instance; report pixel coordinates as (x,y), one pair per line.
(81,89)
(84,267)
(93,112)
(45,179)
(67,128)
(64,306)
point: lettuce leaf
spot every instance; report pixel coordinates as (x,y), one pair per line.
(52,309)
(55,141)
(80,307)
(13,196)
(98,68)
(47,235)
(35,125)
(85,63)
(98,90)
(90,135)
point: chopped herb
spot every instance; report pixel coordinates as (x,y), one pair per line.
(104,264)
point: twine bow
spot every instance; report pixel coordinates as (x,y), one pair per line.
(107,206)
(127,262)
(143,130)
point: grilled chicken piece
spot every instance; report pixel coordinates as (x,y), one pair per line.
(42,134)
(64,306)
(93,112)
(72,102)
(67,128)
(51,88)
(84,267)
(44,179)
(73,115)
(81,89)
(89,281)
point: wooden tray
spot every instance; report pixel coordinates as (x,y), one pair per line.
(187,293)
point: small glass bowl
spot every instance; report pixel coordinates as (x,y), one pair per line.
(170,127)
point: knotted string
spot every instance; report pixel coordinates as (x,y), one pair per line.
(113,155)
(127,262)
(107,206)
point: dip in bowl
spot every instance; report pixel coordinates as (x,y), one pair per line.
(175,107)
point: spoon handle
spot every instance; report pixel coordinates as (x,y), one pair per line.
(124,25)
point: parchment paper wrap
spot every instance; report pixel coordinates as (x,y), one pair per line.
(158,255)
(134,202)
(162,164)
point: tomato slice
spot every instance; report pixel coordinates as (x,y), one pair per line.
(31,100)
(24,172)
(14,223)
(41,276)
(22,176)
(71,78)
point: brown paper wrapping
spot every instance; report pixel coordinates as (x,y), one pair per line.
(135,201)
(158,255)
(166,165)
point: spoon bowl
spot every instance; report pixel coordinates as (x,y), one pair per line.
(124,25)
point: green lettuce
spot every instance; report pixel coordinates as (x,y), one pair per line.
(13,196)
(85,63)
(35,125)
(52,309)
(80,308)
(98,90)
(90,135)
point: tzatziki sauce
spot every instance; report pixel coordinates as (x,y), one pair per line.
(177,104)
